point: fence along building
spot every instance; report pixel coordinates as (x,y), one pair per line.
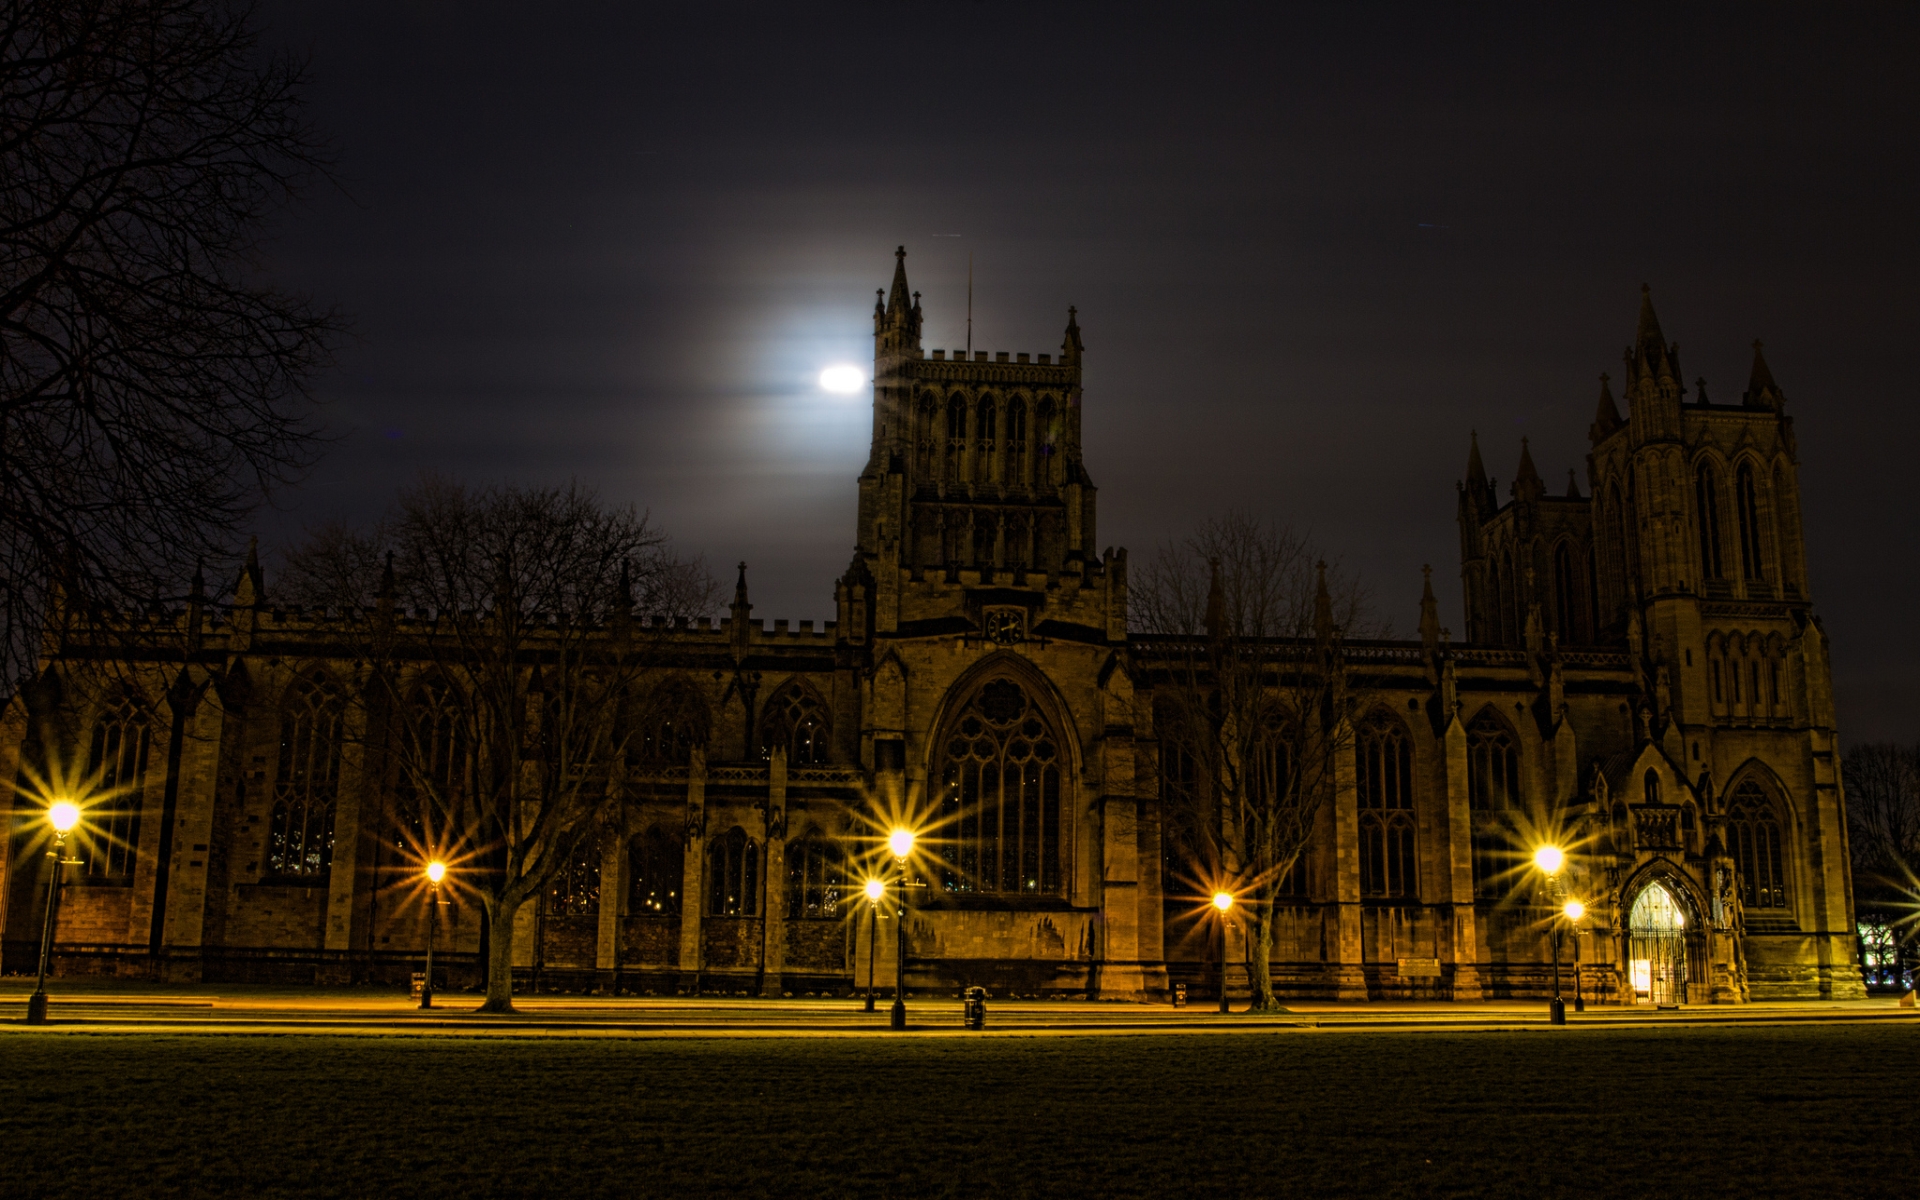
(1641,667)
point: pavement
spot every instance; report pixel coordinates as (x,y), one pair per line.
(118,1007)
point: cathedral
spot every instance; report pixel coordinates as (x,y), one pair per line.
(1640,659)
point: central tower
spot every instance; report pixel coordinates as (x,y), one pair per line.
(976,458)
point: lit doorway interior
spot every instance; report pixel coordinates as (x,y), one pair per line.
(1657,937)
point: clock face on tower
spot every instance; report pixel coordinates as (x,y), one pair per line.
(1005,626)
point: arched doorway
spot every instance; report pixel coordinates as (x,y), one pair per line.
(1657,946)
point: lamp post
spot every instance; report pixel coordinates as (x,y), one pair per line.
(63,816)
(876,890)
(900,841)
(1223,904)
(1572,911)
(1549,859)
(436,871)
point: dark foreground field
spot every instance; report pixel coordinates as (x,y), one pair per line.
(1818,1111)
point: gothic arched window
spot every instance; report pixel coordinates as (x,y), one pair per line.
(1706,498)
(1493,764)
(733,875)
(432,771)
(984,428)
(797,719)
(300,834)
(672,721)
(956,438)
(117,774)
(1384,761)
(575,889)
(1017,442)
(1046,429)
(1753,834)
(1569,593)
(656,865)
(1385,784)
(816,879)
(1001,785)
(1509,621)
(1650,787)
(927,437)
(1747,504)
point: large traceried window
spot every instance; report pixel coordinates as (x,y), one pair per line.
(117,774)
(816,879)
(1384,781)
(1493,764)
(797,719)
(656,866)
(671,722)
(432,772)
(1017,442)
(1753,831)
(733,875)
(1001,785)
(1569,595)
(300,835)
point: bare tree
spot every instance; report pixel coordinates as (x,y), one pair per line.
(1883,832)
(1252,702)
(508,697)
(152,387)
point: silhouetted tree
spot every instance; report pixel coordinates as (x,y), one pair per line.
(506,674)
(1883,833)
(1252,704)
(152,387)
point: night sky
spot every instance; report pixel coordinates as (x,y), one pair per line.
(1310,251)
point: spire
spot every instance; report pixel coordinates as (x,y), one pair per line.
(251,590)
(738,612)
(897,323)
(1527,484)
(1650,353)
(1216,602)
(1762,391)
(1606,417)
(740,590)
(1071,347)
(199,587)
(1700,391)
(1476,470)
(1429,612)
(1573,486)
(385,594)
(1322,606)
(897,296)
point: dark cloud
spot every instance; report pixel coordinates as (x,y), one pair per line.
(1310,251)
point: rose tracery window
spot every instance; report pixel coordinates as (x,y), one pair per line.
(1001,788)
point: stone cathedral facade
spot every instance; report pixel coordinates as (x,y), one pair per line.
(1641,669)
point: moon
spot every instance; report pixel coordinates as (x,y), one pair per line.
(842,378)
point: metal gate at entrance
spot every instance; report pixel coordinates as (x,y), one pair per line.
(1657,947)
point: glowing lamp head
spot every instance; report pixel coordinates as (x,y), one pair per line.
(842,379)
(900,841)
(64,816)
(874,890)
(436,871)
(1550,859)
(1573,910)
(1223,900)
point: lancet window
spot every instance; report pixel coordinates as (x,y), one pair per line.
(1001,796)
(984,427)
(1753,832)
(733,875)
(1493,764)
(1569,595)
(956,439)
(117,774)
(1017,442)
(300,834)
(431,771)
(1747,503)
(1707,501)
(1384,782)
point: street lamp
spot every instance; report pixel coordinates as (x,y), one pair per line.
(1549,859)
(876,890)
(63,815)
(901,841)
(1223,904)
(1573,911)
(436,871)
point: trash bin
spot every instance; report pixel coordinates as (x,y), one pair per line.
(1179,995)
(976,1008)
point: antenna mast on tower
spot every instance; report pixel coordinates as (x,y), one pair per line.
(969,304)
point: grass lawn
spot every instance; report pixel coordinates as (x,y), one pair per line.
(1822,1111)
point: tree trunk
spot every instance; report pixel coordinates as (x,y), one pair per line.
(500,915)
(1259,960)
